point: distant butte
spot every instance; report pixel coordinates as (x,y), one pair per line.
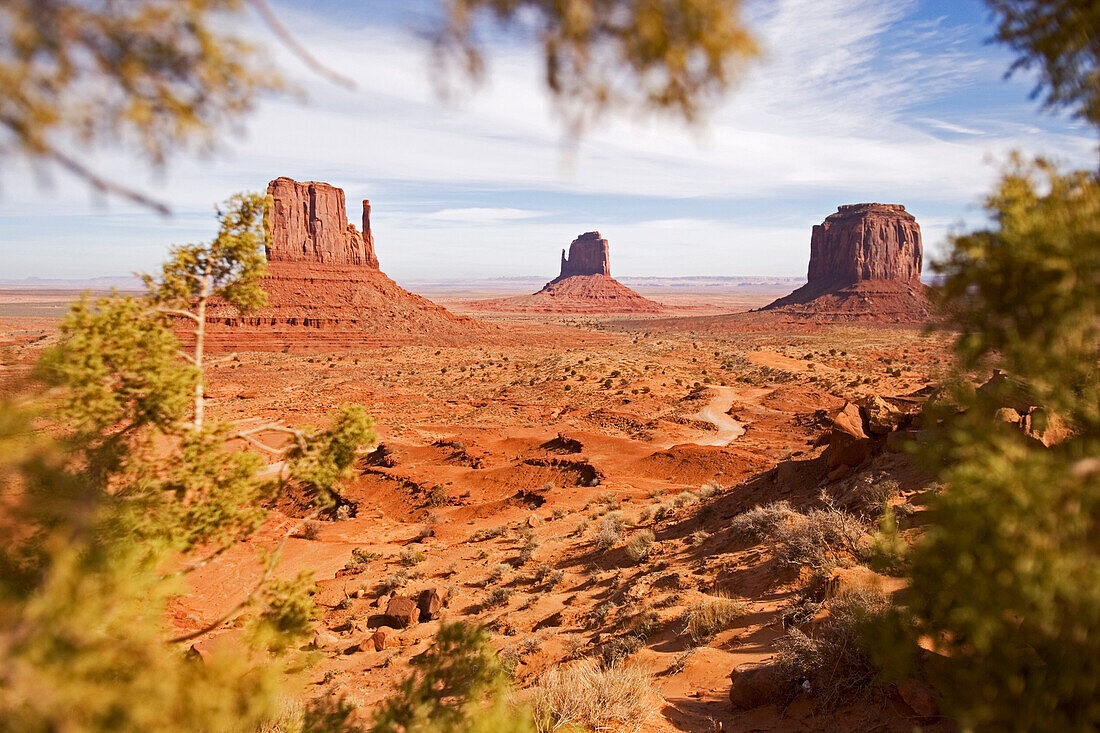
(324,287)
(584,285)
(865,264)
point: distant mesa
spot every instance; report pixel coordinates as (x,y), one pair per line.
(865,264)
(324,287)
(584,285)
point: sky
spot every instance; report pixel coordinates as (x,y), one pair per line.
(896,101)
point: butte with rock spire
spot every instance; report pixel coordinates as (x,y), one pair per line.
(324,287)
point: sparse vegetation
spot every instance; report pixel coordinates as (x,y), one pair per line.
(637,547)
(713,615)
(410,557)
(497,597)
(820,538)
(609,533)
(836,660)
(584,694)
(761,522)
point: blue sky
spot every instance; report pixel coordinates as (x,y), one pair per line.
(899,101)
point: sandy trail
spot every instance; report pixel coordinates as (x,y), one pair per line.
(729,429)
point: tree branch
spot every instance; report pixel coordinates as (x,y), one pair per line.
(256,589)
(178,312)
(283,34)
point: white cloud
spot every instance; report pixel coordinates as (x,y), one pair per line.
(482,215)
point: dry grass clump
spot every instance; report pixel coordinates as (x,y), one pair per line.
(410,557)
(835,660)
(584,695)
(497,597)
(761,522)
(488,534)
(610,531)
(637,547)
(816,538)
(715,614)
(497,572)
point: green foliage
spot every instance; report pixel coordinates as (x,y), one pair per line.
(322,458)
(157,77)
(83,651)
(677,55)
(288,613)
(230,267)
(119,367)
(1024,294)
(1060,37)
(459,687)
(1006,581)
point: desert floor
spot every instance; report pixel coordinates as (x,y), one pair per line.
(497,466)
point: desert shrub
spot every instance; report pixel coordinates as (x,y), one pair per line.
(437,496)
(761,522)
(708,490)
(557,514)
(609,533)
(581,528)
(661,512)
(528,551)
(311,530)
(393,581)
(359,555)
(619,649)
(644,515)
(410,557)
(497,572)
(709,617)
(497,597)
(582,694)
(836,659)
(699,537)
(818,539)
(637,547)
(684,498)
(487,534)
(459,685)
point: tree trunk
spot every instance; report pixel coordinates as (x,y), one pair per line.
(200,337)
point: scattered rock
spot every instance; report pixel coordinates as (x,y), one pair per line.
(849,445)
(920,698)
(881,416)
(430,603)
(753,685)
(325,640)
(378,640)
(402,612)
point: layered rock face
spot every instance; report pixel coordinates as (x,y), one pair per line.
(589,254)
(324,288)
(865,265)
(310,224)
(866,242)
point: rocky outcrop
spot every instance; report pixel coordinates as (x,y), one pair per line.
(589,254)
(866,242)
(308,223)
(324,288)
(865,265)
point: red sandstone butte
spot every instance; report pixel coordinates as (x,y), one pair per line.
(324,287)
(865,264)
(589,254)
(584,285)
(310,224)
